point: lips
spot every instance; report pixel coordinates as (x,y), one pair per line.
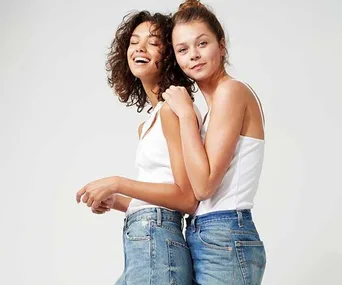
(197,66)
(141,59)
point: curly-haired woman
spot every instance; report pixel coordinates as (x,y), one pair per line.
(141,66)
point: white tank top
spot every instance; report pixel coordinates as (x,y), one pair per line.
(152,157)
(240,183)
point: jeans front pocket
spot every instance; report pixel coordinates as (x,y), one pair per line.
(137,244)
(216,238)
(252,259)
(139,230)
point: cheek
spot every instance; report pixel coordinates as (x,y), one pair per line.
(129,52)
(155,54)
(181,61)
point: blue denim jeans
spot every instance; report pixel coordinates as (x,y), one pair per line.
(155,249)
(225,249)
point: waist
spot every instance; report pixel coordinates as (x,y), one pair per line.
(154,214)
(220,216)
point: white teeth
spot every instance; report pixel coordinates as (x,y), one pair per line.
(141,59)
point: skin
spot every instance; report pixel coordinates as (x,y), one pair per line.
(178,196)
(234,110)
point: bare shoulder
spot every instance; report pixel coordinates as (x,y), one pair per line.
(166,113)
(169,121)
(231,92)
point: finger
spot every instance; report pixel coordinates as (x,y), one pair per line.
(98,198)
(101,208)
(80,193)
(90,201)
(104,205)
(169,93)
(85,197)
(96,204)
(166,96)
(97,212)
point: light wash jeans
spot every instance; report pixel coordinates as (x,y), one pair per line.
(155,250)
(225,249)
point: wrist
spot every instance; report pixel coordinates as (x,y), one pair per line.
(116,184)
(189,114)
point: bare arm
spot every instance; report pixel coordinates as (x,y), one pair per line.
(178,196)
(121,202)
(206,164)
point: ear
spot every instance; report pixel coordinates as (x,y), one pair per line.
(223,47)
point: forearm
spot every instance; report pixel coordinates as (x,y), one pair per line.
(195,157)
(161,194)
(121,203)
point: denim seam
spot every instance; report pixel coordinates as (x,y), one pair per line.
(226,248)
(216,220)
(243,232)
(170,259)
(241,259)
(178,244)
(129,222)
(175,231)
(152,253)
(248,243)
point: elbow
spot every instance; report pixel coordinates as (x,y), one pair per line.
(203,194)
(189,202)
(192,205)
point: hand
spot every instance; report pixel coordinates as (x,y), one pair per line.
(179,100)
(105,205)
(97,191)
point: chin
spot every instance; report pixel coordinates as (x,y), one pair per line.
(140,73)
(199,77)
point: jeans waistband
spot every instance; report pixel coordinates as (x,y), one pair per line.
(154,214)
(239,215)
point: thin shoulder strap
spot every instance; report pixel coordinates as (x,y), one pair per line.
(148,123)
(256,98)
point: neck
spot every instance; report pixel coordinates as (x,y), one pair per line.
(151,89)
(209,85)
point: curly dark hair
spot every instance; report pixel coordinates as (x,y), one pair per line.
(129,88)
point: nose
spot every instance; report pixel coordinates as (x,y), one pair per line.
(140,48)
(195,55)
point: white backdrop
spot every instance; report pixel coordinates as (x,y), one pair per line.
(62,127)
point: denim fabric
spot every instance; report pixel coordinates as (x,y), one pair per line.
(155,249)
(225,249)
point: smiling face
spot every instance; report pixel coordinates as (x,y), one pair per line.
(198,52)
(144,53)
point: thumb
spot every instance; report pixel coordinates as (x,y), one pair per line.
(166,96)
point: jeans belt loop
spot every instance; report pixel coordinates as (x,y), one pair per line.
(159,217)
(193,223)
(240,220)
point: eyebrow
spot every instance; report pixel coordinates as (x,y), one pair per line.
(150,36)
(201,35)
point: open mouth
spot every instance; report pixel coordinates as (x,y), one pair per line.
(140,59)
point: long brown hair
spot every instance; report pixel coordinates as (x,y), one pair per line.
(119,76)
